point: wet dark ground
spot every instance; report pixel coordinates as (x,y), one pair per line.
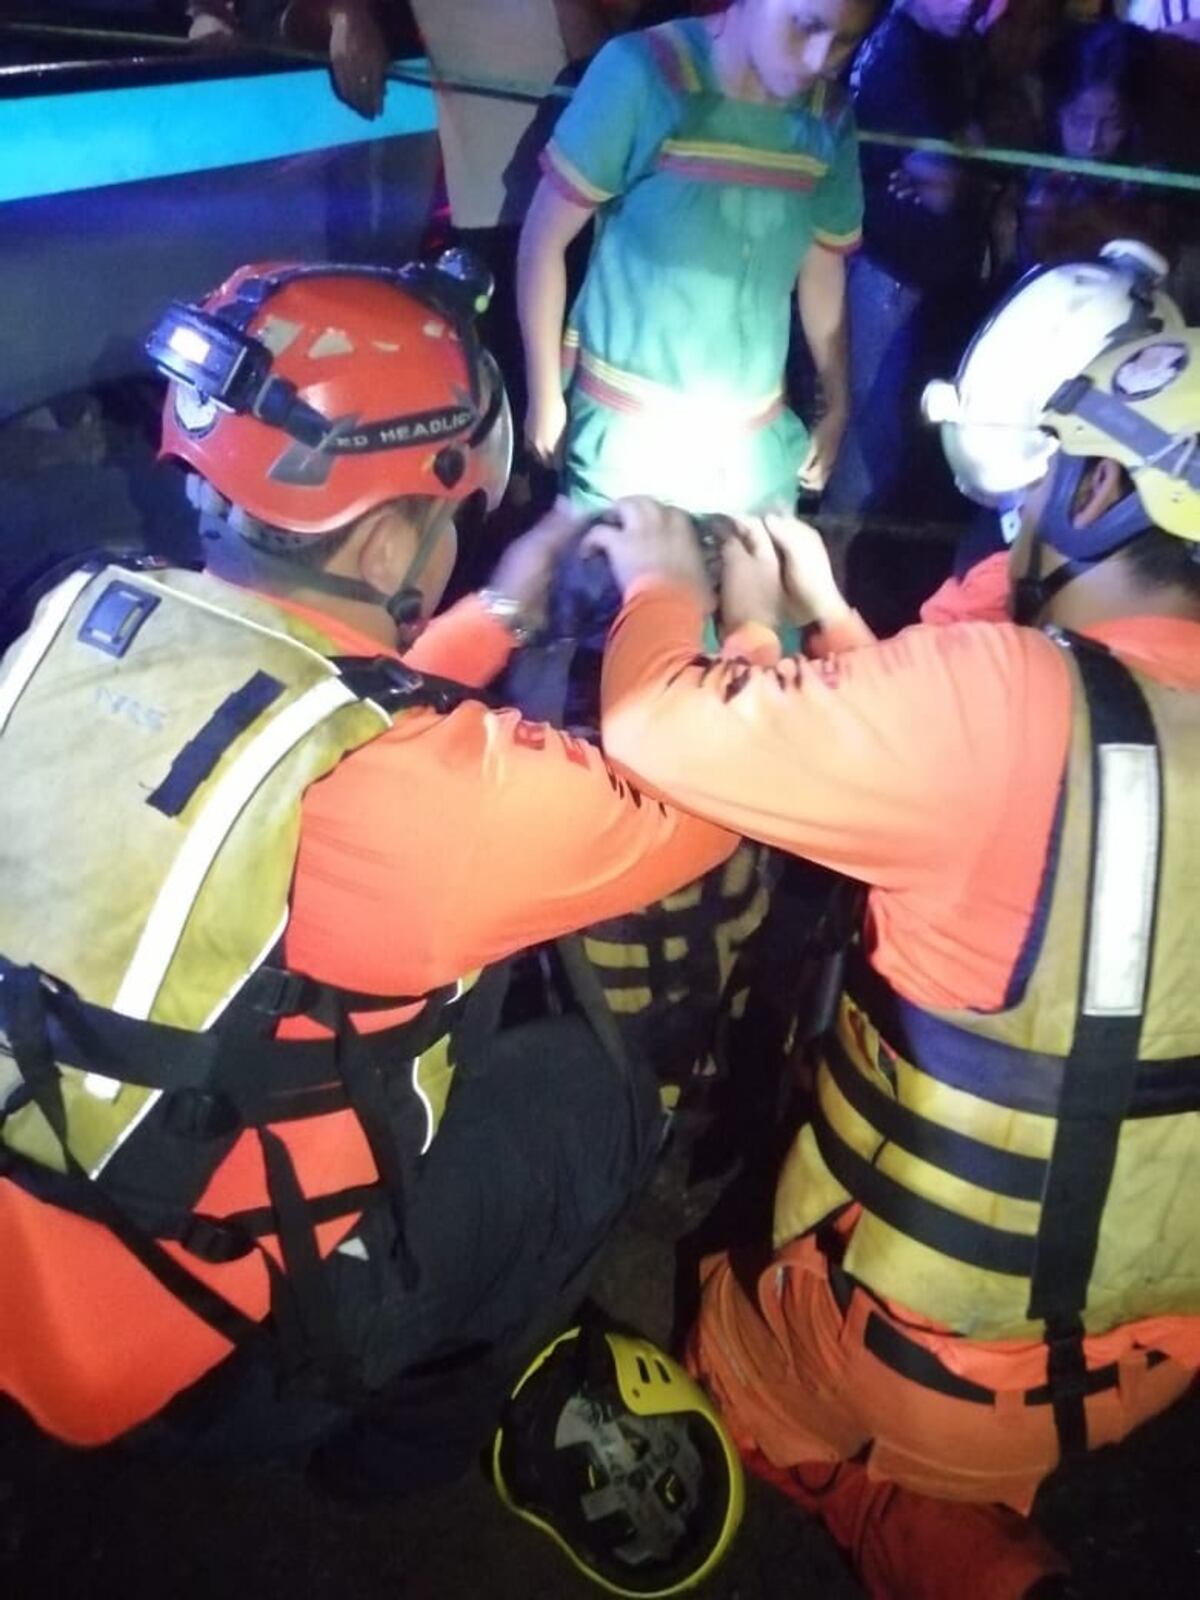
(100,1525)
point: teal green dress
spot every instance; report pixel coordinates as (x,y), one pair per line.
(675,349)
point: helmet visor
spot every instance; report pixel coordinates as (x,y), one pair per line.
(491,443)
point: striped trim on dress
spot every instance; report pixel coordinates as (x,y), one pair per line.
(569,181)
(707,161)
(626,392)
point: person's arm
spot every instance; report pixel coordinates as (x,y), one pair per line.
(888,762)
(552,221)
(457,840)
(821,295)
(870,762)
(583,25)
(601,143)
(471,643)
(358,54)
(465,643)
(837,213)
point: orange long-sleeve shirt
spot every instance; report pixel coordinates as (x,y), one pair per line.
(453,841)
(928,765)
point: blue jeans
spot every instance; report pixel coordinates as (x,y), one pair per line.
(884,352)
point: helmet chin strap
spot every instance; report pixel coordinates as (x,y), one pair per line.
(404,604)
(1084,548)
(218,518)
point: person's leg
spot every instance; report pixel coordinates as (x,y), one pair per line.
(881,312)
(786,1365)
(907,1546)
(536,1157)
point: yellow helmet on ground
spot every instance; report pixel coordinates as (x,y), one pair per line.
(613,1450)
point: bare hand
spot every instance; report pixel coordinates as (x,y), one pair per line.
(358,57)
(525,570)
(545,425)
(651,540)
(213,29)
(751,577)
(823,449)
(929,181)
(810,590)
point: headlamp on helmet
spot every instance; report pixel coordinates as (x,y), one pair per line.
(231,370)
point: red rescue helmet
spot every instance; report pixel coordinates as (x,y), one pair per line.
(307,395)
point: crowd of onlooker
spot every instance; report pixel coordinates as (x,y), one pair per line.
(944,239)
(1094,82)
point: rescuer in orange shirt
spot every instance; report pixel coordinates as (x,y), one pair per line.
(985,1254)
(244,913)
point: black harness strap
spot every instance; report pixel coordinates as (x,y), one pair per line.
(393,1149)
(394,687)
(301,1301)
(1097,1089)
(917,1363)
(26,1023)
(1004,1074)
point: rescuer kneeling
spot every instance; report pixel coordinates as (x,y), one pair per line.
(985,1253)
(263,1149)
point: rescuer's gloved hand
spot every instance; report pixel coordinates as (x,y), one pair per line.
(646,539)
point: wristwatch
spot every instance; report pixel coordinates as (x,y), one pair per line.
(507,612)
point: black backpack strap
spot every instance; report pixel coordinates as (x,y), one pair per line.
(213,1087)
(24,993)
(1098,1082)
(395,687)
(586,987)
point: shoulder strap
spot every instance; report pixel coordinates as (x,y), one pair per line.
(1100,1072)
(394,687)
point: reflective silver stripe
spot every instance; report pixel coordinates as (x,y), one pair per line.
(27,656)
(426,1103)
(1126,880)
(165,924)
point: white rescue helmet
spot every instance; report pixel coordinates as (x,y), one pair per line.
(1048,330)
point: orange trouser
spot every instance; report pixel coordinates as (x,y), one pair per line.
(877,1455)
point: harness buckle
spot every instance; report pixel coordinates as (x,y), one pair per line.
(215,1240)
(198,1114)
(275,992)
(1066,1364)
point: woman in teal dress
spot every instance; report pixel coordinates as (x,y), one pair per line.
(719,158)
